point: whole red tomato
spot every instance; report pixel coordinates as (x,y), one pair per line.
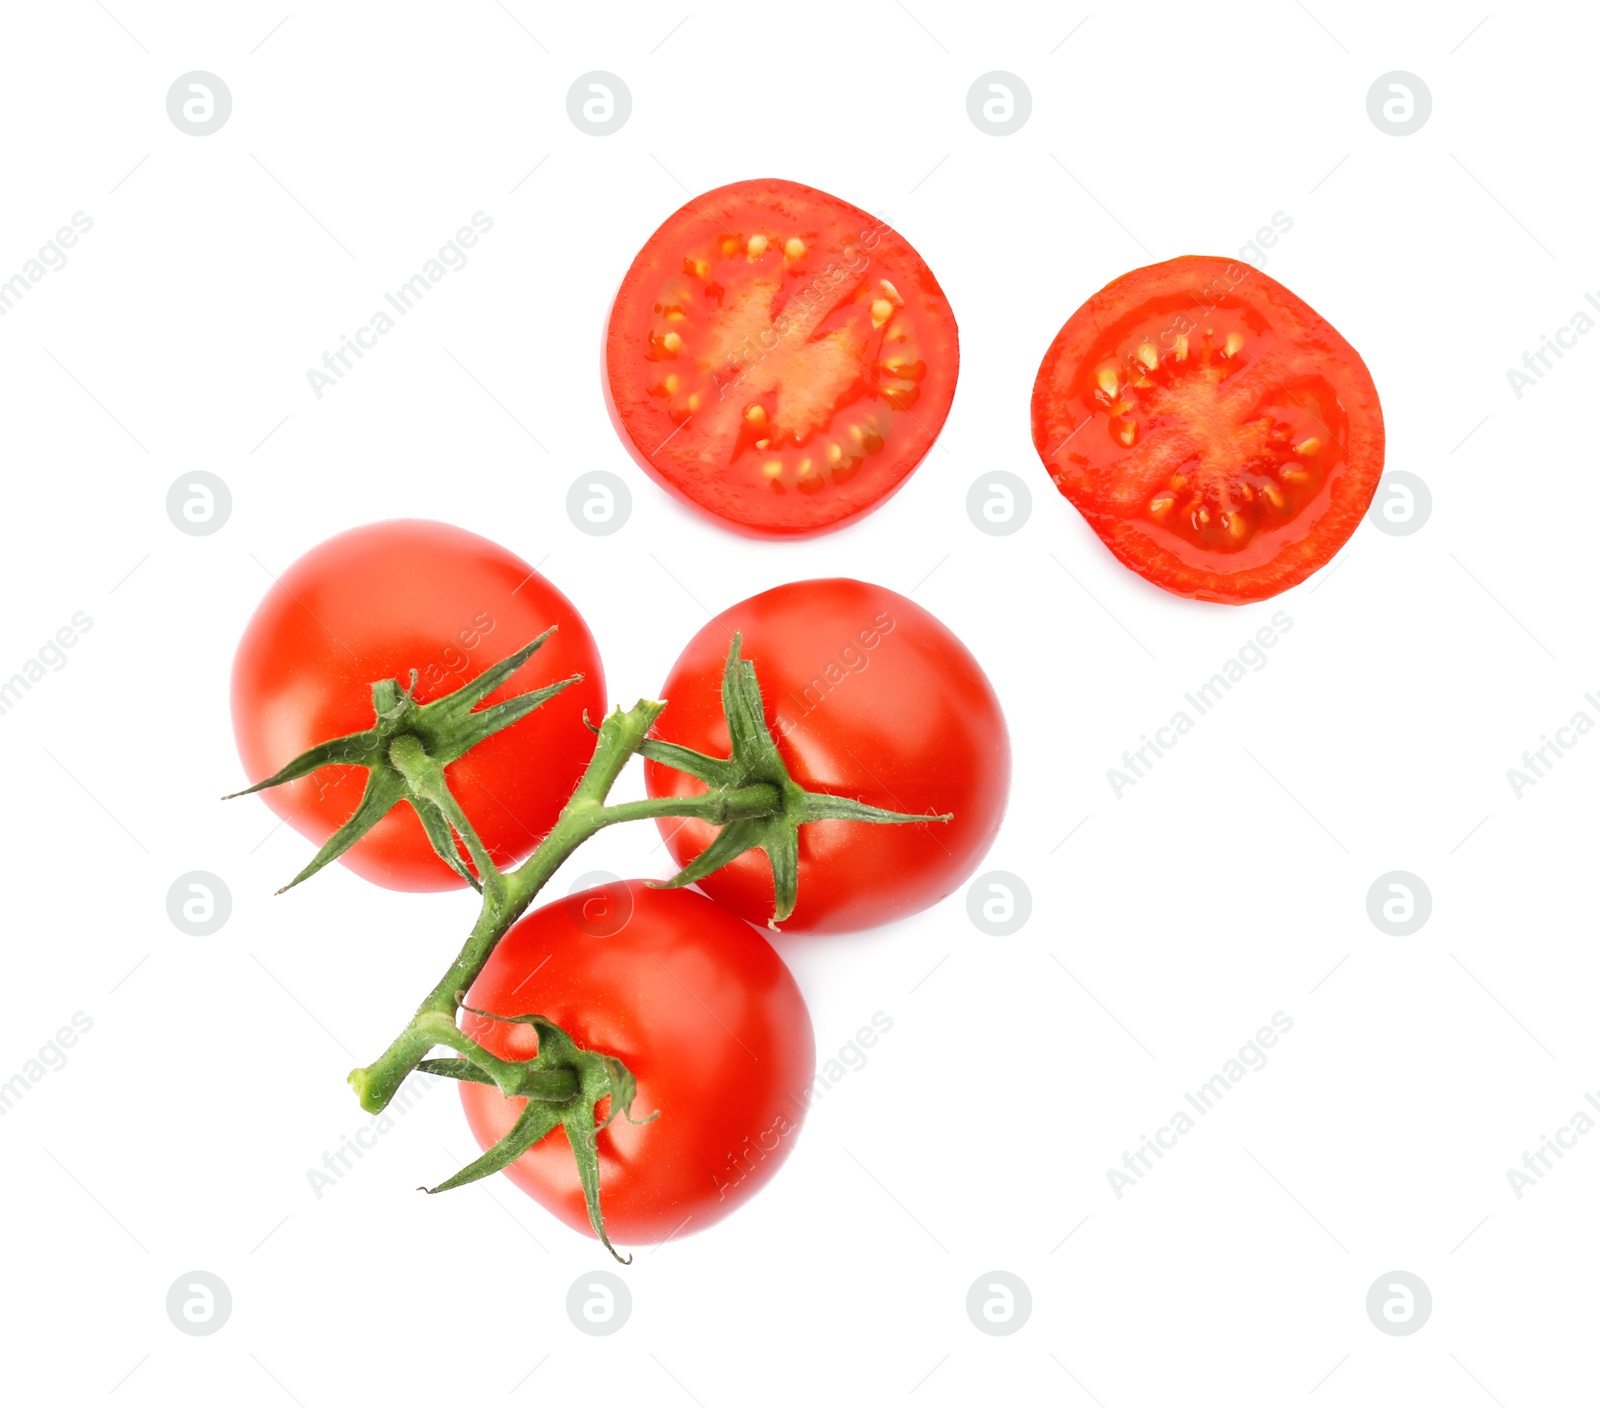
(376,603)
(703,1012)
(870,697)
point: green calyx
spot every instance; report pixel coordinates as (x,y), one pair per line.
(562,1085)
(755,760)
(406,752)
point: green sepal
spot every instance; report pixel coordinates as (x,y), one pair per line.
(755,759)
(457,1068)
(384,788)
(536,1120)
(437,826)
(357,749)
(597,1076)
(719,772)
(445,729)
(729,844)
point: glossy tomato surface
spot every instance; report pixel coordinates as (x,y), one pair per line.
(870,697)
(703,1012)
(779,358)
(1216,431)
(376,603)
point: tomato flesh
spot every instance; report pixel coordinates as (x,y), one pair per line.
(1215,431)
(779,358)
(703,1012)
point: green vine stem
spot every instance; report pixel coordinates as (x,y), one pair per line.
(585,813)
(749,797)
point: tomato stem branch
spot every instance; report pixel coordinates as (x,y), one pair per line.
(506,896)
(749,798)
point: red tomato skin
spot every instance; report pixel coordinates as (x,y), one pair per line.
(637,415)
(704,1013)
(916,728)
(374,603)
(1321,350)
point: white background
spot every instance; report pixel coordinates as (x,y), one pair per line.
(1226,886)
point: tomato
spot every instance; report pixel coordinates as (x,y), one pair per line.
(703,1013)
(1216,432)
(867,696)
(380,601)
(779,358)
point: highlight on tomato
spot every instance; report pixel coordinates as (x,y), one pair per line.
(702,1012)
(1215,431)
(866,696)
(778,358)
(424,603)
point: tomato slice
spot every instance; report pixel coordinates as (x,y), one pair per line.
(779,358)
(1216,432)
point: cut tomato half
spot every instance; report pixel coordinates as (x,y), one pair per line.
(779,358)
(1216,432)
